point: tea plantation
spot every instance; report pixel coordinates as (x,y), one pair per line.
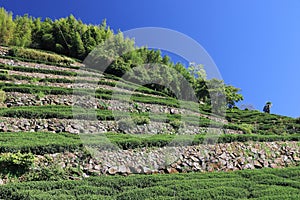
(45,155)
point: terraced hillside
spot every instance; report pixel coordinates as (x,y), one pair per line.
(60,141)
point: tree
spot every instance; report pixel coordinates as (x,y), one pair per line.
(107,56)
(36,39)
(232,95)
(197,70)
(77,49)
(6,27)
(47,40)
(22,33)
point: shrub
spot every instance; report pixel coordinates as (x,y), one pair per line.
(16,162)
(176,124)
(247,128)
(141,120)
(2,98)
(40,95)
(3,72)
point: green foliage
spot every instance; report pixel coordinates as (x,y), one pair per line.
(232,95)
(246,128)
(16,162)
(3,72)
(245,184)
(131,141)
(38,142)
(2,96)
(6,27)
(33,54)
(141,120)
(52,172)
(37,70)
(40,95)
(176,124)
(42,143)
(22,32)
(261,123)
(114,54)
(67,36)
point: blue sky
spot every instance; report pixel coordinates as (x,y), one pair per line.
(255,44)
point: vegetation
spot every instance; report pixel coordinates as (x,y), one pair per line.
(130,141)
(155,80)
(41,143)
(38,143)
(37,70)
(260,123)
(32,54)
(114,55)
(246,184)
(15,162)
(106,94)
(2,97)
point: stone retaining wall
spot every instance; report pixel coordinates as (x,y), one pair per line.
(20,99)
(87,126)
(202,158)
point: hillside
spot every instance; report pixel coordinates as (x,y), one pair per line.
(60,141)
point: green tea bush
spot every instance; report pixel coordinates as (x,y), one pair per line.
(38,142)
(38,70)
(33,54)
(246,128)
(243,184)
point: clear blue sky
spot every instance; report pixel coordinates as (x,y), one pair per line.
(255,44)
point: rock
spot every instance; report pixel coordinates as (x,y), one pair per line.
(197,166)
(257,164)
(112,170)
(123,169)
(223,156)
(241,160)
(273,165)
(249,166)
(265,163)
(97,167)
(146,170)
(135,170)
(194,159)
(296,159)
(172,170)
